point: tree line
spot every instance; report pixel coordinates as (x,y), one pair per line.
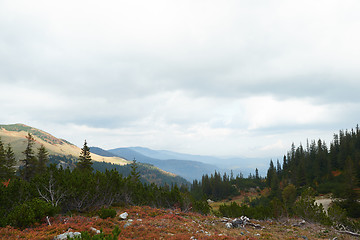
(217,186)
(42,189)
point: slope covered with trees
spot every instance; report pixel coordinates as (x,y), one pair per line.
(38,191)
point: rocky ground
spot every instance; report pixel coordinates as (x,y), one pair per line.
(151,223)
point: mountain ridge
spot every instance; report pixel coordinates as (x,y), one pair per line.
(188,169)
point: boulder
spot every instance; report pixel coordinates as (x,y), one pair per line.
(95,230)
(229,225)
(67,235)
(124,215)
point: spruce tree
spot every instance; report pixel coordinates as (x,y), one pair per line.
(84,162)
(2,161)
(134,174)
(30,161)
(43,159)
(10,163)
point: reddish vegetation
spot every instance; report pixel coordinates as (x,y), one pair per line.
(6,183)
(151,223)
(336,173)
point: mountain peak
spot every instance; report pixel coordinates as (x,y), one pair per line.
(47,137)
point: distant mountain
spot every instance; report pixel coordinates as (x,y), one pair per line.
(102,152)
(190,170)
(237,164)
(245,165)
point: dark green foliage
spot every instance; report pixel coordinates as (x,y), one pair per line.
(329,170)
(2,161)
(10,162)
(261,210)
(42,158)
(337,215)
(134,174)
(85,163)
(107,213)
(30,162)
(217,187)
(352,207)
(202,207)
(29,212)
(306,208)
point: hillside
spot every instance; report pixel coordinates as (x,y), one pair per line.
(66,153)
(15,135)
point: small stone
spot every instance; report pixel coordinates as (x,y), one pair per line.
(124,215)
(67,235)
(95,230)
(229,225)
(127,224)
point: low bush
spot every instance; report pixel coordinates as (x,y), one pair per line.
(30,212)
(106,213)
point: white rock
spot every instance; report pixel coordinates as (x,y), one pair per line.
(124,215)
(95,230)
(66,235)
(229,225)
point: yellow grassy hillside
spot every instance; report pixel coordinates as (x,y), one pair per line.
(16,135)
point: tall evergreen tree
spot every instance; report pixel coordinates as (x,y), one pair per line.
(84,162)
(43,159)
(30,161)
(2,160)
(10,163)
(134,174)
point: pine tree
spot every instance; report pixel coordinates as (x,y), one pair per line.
(43,159)
(30,161)
(84,162)
(10,163)
(134,174)
(2,161)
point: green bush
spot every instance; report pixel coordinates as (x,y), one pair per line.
(30,212)
(306,208)
(201,207)
(106,213)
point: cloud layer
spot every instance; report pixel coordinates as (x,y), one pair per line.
(207,77)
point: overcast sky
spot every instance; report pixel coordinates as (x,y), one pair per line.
(224,78)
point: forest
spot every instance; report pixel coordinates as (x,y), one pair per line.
(39,188)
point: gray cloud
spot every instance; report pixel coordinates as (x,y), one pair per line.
(207,74)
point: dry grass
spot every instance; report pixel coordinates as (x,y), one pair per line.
(18,143)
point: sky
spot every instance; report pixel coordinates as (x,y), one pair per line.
(222,78)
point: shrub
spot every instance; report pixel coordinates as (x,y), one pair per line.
(339,219)
(30,212)
(306,208)
(107,212)
(201,207)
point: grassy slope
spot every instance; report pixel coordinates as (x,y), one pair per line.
(15,135)
(150,223)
